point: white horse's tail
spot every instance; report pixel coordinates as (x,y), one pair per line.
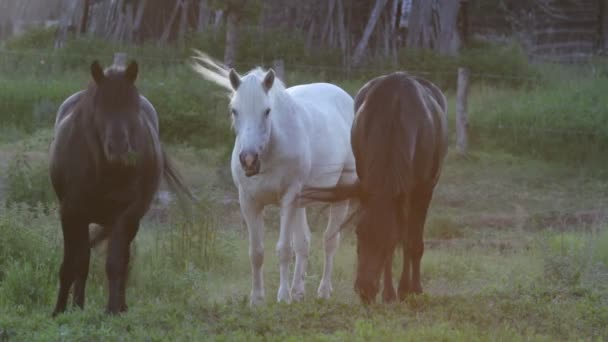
(211,69)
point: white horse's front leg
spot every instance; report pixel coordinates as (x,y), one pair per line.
(331,240)
(301,245)
(253,214)
(284,247)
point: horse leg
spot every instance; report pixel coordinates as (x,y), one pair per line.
(252,212)
(405,281)
(388,293)
(82,270)
(117,263)
(131,232)
(301,244)
(331,241)
(75,236)
(418,211)
(284,247)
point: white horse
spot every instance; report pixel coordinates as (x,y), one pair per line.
(286,139)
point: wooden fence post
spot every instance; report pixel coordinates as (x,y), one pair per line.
(279,69)
(462,123)
(120,59)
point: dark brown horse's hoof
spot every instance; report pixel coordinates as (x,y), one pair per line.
(117,311)
(389,296)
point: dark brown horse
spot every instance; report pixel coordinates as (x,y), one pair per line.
(399,139)
(106,162)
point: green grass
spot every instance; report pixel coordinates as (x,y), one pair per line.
(490,271)
(516,235)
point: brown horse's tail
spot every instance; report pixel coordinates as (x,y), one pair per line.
(175,183)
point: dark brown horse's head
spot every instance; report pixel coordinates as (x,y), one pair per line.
(377,236)
(115,105)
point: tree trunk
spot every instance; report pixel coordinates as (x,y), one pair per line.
(325,37)
(65,23)
(183,22)
(164,38)
(203,15)
(603,25)
(85,17)
(139,16)
(369,28)
(341,27)
(433,25)
(231,38)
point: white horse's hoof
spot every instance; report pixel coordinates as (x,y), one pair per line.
(283,296)
(297,293)
(325,290)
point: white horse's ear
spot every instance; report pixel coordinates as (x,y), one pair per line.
(268,80)
(235,79)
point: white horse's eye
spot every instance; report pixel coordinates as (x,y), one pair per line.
(267,112)
(234,112)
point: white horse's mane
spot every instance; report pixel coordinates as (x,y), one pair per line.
(216,72)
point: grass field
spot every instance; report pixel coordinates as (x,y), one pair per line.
(516,240)
(516,250)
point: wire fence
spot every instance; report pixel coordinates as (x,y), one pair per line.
(47,60)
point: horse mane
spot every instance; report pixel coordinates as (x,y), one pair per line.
(385,137)
(217,72)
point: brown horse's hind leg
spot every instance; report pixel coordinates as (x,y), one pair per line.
(75,239)
(117,263)
(388,293)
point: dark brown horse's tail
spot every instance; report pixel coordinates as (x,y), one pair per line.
(338,193)
(100,235)
(174,181)
(177,186)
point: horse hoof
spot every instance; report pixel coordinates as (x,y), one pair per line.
(389,296)
(283,296)
(325,291)
(297,294)
(116,311)
(256,300)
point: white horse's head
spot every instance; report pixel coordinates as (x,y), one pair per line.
(251,108)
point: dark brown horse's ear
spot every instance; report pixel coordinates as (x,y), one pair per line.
(131,72)
(97,72)
(268,80)
(235,79)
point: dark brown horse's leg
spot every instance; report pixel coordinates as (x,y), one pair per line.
(117,265)
(83,257)
(404,282)
(388,293)
(74,236)
(418,212)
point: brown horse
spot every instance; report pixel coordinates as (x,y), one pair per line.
(399,139)
(106,162)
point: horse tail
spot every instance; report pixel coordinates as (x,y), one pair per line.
(211,69)
(100,235)
(176,185)
(338,193)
